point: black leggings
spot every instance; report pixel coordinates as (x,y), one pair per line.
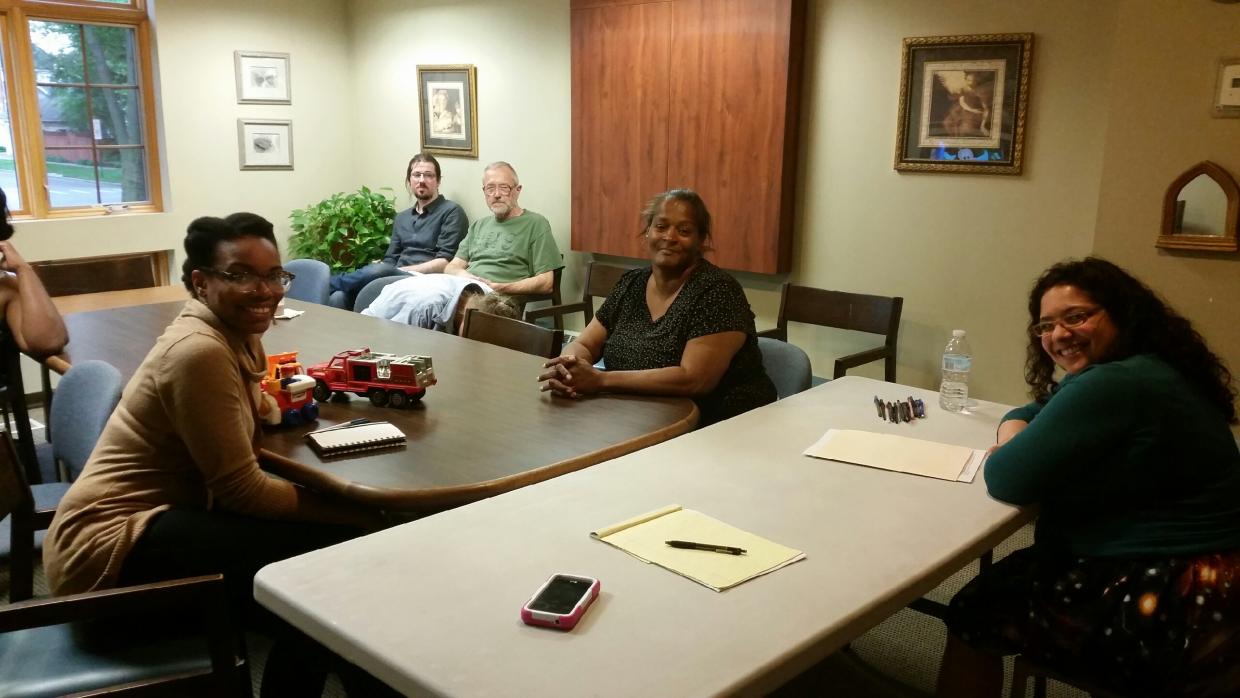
(186,543)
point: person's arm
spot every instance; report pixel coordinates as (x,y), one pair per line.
(392,256)
(541,283)
(1079,427)
(430,266)
(200,371)
(36,325)
(458,267)
(702,365)
(581,352)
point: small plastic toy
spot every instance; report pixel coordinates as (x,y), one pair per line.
(387,379)
(288,393)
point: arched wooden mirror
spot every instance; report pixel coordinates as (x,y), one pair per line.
(1200,210)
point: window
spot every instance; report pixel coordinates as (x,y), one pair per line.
(77,115)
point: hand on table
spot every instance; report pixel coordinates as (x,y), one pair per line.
(1006,431)
(570,376)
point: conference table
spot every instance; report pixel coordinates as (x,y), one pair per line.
(483,429)
(432,607)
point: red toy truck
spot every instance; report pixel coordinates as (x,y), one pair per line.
(387,379)
(287,392)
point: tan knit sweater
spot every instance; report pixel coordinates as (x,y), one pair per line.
(181,437)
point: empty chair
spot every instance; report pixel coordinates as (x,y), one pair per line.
(600,279)
(787,366)
(47,650)
(513,334)
(371,291)
(313,282)
(85,398)
(848,311)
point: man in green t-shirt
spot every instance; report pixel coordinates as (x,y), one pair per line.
(512,251)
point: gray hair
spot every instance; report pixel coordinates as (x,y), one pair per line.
(500,164)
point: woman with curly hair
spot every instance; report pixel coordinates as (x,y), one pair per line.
(1133,581)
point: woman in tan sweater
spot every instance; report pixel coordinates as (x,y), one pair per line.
(173,487)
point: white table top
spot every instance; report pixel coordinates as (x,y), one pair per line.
(431,607)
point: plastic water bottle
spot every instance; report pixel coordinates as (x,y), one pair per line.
(957,360)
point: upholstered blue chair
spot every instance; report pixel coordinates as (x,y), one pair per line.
(313,282)
(787,365)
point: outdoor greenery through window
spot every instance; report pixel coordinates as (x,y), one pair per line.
(82,137)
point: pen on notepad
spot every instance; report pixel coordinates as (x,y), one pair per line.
(709,547)
(343,425)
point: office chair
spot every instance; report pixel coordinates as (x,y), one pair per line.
(787,366)
(524,299)
(313,282)
(848,311)
(512,334)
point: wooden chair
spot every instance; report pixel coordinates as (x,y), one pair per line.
(524,299)
(512,334)
(599,281)
(14,397)
(96,640)
(848,311)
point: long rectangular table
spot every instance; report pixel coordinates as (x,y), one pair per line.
(431,607)
(483,429)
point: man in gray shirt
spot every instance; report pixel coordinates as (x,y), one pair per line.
(424,237)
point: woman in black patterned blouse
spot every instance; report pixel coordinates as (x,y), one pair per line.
(678,327)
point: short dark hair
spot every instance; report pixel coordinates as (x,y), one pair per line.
(422,157)
(1145,324)
(204,235)
(6,226)
(701,216)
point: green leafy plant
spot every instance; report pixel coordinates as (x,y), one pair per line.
(344,230)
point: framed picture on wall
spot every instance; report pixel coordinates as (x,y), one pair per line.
(262,77)
(962,103)
(448,99)
(265,144)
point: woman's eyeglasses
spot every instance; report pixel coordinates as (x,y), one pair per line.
(1069,320)
(250,281)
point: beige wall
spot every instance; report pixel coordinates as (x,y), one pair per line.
(1161,83)
(521,51)
(197,90)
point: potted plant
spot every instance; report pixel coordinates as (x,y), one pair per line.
(344,230)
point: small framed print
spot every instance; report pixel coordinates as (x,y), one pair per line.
(447,95)
(265,144)
(1227,89)
(263,77)
(962,103)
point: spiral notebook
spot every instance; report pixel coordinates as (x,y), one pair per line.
(363,437)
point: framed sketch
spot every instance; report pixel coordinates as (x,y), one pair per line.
(262,78)
(962,103)
(265,144)
(448,98)
(1227,88)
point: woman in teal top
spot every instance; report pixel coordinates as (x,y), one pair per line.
(1133,582)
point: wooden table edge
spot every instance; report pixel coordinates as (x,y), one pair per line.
(435,498)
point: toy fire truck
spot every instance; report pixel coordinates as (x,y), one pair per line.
(387,379)
(287,392)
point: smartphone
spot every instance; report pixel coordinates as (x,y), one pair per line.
(561,601)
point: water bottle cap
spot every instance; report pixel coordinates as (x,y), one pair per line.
(957,333)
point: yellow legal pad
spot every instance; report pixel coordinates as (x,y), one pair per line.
(644,537)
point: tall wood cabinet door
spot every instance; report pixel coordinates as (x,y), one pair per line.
(621,103)
(735,95)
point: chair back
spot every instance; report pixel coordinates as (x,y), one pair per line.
(85,399)
(524,299)
(512,334)
(313,282)
(787,365)
(599,281)
(371,291)
(848,311)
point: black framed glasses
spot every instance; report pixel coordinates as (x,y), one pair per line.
(1069,320)
(250,281)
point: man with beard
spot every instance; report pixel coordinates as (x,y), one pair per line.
(424,237)
(511,251)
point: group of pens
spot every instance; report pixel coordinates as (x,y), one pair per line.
(900,410)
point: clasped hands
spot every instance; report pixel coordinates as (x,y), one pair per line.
(570,376)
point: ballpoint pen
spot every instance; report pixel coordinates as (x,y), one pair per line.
(709,547)
(343,425)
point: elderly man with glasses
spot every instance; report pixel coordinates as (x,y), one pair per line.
(513,250)
(424,236)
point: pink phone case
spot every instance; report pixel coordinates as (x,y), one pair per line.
(559,621)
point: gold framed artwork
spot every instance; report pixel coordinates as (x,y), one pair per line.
(448,98)
(963,101)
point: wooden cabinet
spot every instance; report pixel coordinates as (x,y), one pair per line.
(701,94)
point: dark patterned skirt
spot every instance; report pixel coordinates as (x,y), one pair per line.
(1159,626)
